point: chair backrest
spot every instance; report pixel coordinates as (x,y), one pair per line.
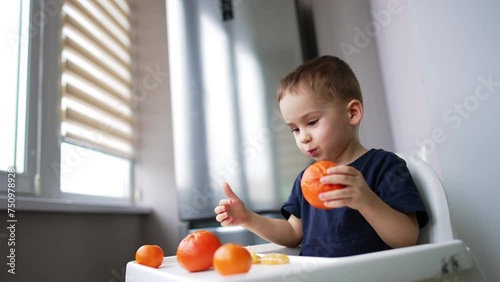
(439,228)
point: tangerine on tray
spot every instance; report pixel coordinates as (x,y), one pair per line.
(232,258)
(150,255)
(311,185)
(196,251)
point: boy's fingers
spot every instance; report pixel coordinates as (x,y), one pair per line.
(226,222)
(343,179)
(337,203)
(342,169)
(224,219)
(224,202)
(219,209)
(222,216)
(229,192)
(335,194)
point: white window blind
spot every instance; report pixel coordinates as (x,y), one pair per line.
(96,80)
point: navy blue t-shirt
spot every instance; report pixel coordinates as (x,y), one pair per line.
(344,231)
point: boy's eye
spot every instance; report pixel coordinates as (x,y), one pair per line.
(313,122)
(295,130)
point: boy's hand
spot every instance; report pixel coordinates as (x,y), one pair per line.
(356,194)
(231,211)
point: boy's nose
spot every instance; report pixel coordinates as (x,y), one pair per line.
(306,138)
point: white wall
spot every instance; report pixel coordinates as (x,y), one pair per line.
(154,170)
(337,26)
(408,109)
(434,55)
(457,43)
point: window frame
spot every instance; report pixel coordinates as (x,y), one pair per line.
(25,181)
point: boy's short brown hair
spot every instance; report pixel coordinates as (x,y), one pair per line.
(327,76)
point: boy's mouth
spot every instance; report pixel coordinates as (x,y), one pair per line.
(312,153)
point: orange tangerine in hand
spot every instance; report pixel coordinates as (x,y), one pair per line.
(232,258)
(150,255)
(312,186)
(196,251)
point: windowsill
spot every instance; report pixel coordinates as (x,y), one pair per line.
(70,206)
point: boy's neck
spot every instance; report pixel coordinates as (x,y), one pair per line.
(352,153)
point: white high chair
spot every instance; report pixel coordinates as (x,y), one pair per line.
(439,228)
(439,256)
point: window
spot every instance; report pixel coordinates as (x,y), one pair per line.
(96,98)
(226,123)
(67,116)
(13,100)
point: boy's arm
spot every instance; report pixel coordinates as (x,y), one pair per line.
(395,228)
(287,233)
(232,212)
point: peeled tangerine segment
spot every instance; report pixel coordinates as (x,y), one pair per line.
(255,257)
(274,258)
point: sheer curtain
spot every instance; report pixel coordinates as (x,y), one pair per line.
(227,126)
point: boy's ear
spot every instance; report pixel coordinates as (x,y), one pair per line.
(355,111)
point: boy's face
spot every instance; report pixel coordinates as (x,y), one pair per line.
(321,129)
